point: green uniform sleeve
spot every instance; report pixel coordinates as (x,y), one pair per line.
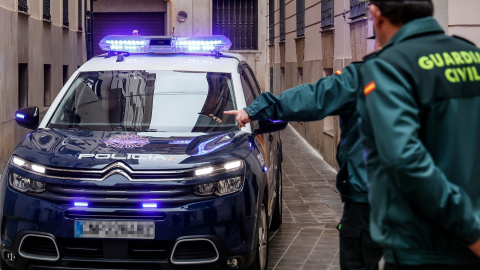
(393,115)
(330,95)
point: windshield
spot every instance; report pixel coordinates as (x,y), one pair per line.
(145,100)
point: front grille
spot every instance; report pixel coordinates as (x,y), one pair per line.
(150,250)
(134,176)
(144,250)
(40,246)
(119,168)
(81,248)
(101,265)
(121,196)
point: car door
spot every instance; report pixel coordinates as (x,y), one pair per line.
(266,143)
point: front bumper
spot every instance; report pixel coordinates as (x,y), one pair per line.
(205,234)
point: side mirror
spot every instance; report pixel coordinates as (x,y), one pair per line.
(28,117)
(269,125)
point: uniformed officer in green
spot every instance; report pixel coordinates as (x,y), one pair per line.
(420,125)
(331,95)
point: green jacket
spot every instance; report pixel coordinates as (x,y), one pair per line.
(331,95)
(420,124)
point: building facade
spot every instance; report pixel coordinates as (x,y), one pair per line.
(43,43)
(310,39)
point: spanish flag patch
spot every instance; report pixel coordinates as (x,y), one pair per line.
(338,72)
(369,88)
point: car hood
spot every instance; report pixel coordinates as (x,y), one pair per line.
(140,151)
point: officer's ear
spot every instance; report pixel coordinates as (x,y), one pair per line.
(378,19)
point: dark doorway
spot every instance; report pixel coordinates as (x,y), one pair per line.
(22,85)
(123,23)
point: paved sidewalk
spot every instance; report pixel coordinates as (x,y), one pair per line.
(308,238)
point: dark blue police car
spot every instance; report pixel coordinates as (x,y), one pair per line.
(135,165)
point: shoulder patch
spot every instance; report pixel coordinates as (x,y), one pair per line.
(338,72)
(369,88)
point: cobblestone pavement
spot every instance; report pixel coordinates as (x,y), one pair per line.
(308,238)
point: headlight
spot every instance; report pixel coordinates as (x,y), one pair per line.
(220,188)
(24,184)
(226,167)
(28,166)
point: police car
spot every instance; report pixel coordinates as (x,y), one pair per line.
(135,165)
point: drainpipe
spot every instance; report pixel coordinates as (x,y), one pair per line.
(89,29)
(171,15)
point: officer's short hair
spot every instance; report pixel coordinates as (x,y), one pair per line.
(402,12)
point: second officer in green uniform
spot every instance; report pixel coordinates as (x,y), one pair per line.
(332,95)
(420,119)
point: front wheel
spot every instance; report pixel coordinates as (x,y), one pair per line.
(261,260)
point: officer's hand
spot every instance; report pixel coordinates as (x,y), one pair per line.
(475,248)
(241,116)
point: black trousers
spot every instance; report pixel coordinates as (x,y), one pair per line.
(389,266)
(357,249)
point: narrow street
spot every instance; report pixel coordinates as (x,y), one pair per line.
(308,238)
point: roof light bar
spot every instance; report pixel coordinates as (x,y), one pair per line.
(159,44)
(202,44)
(134,44)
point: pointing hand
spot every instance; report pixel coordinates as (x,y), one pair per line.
(241,116)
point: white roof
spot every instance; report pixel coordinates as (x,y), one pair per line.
(187,62)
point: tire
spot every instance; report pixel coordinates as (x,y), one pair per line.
(261,259)
(277,212)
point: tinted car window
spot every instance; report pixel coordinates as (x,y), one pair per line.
(145,100)
(247,88)
(253,80)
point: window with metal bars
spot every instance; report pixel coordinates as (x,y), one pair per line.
(327,13)
(282,20)
(237,20)
(46,10)
(300,18)
(271,21)
(23,5)
(357,8)
(80,28)
(65,13)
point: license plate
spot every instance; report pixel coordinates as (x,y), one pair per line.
(114,229)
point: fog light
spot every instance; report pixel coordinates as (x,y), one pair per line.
(232,263)
(9,256)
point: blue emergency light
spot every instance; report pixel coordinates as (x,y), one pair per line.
(163,44)
(149,205)
(80,204)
